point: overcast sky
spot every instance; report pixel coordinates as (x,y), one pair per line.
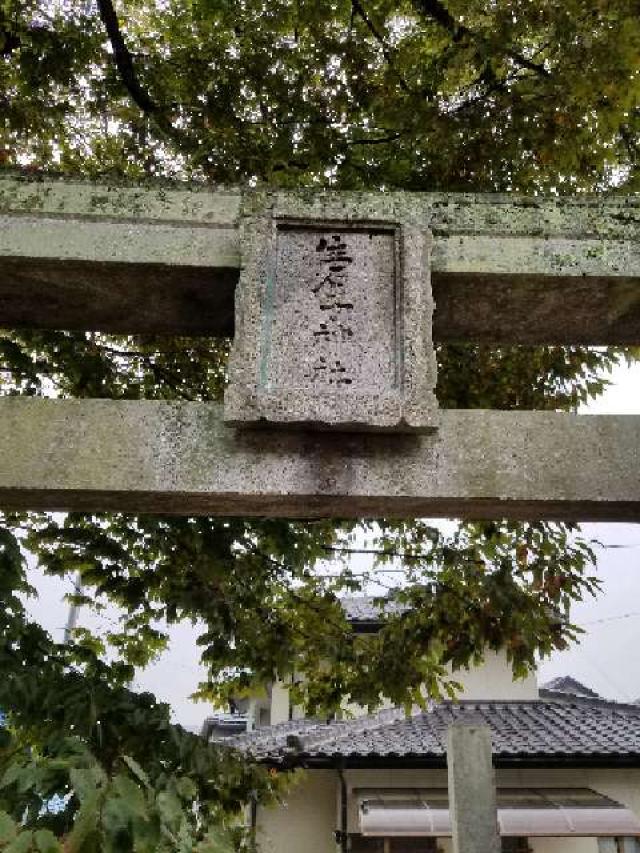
(608,656)
(607,659)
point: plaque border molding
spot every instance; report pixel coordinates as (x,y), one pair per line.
(410,406)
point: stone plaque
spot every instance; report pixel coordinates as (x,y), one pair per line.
(333,327)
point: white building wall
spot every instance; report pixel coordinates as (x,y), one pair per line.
(279,703)
(564,845)
(306,821)
(620,784)
(493,681)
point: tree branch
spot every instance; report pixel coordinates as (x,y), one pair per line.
(123,59)
(376,140)
(523,62)
(126,69)
(438,12)
(9,42)
(358,9)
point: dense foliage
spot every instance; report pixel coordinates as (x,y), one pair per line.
(421,94)
(368,94)
(86,760)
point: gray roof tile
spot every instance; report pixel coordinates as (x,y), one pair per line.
(570,686)
(520,730)
(369,608)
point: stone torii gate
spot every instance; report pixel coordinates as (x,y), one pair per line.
(335,326)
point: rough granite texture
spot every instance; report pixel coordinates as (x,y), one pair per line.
(333,321)
(156,456)
(165,258)
(472,789)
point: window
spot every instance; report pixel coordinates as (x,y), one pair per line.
(361,844)
(264,718)
(366,845)
(515,845)
(413,845)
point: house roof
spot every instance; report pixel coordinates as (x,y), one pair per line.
(565,684)
(532,733)
(368,608)
(366,612)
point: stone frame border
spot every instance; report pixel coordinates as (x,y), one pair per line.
(410,407)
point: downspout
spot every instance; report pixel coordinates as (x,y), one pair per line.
(343,838)
(254,819)
(289,697)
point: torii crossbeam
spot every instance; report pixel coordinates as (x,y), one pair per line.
(166,259)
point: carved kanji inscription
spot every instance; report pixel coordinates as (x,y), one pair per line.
(333,324)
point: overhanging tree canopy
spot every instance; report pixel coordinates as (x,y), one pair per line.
(365,93)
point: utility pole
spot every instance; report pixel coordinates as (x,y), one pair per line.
(74,610)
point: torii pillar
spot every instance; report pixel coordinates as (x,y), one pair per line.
(472,789)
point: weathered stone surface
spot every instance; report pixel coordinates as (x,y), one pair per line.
(472,790)
(155,201)
(115,297)
(117,258)
(504,269)
(333,318)
(536,309)
(151,456)
(333,325)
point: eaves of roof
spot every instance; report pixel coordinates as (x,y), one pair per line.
(589,733)
(418,762)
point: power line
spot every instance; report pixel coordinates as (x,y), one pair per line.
(386,552)
(631,615)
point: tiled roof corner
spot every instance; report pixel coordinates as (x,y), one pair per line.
(570,686)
